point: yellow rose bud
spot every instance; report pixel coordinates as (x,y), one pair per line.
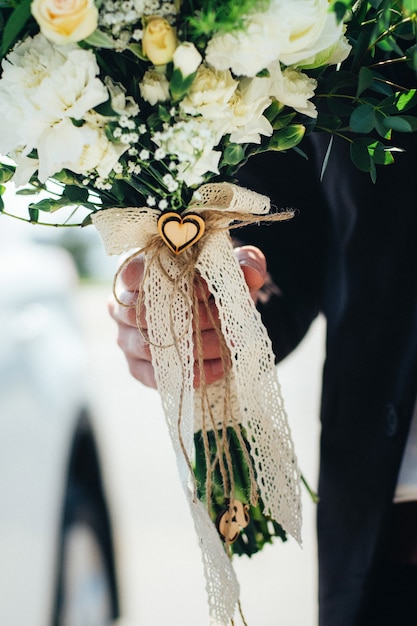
(64,21)
(159,41)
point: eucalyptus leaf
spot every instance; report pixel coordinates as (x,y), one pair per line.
(365,80)
(362,119)
(360,155)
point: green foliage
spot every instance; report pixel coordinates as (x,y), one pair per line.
(16,22)
(261,529)
(366,102)
(208,17)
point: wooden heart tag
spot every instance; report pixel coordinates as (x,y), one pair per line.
(180,232)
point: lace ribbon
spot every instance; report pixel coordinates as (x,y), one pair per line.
(256,400)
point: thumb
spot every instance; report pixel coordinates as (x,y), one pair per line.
(253,264)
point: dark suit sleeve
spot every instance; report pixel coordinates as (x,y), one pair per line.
(295,249)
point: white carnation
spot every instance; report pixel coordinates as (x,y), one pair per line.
(80,149)
(42,87)
(154,87)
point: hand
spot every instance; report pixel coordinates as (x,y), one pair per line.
(132,340)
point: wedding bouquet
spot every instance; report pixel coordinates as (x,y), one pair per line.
(138,114)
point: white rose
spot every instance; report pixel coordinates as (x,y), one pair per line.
(154,87)
(247,122)
(186,58)
(294,89)
(316,42)
(210,93)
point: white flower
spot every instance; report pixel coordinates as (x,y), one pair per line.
(42,88)
(289,31)
(210,93)
(247,122)
(316,38)
(248,51)
(186,58)
(120,103)
(192,142)
(294,89)
(80,149)
(154,87)
(64,21)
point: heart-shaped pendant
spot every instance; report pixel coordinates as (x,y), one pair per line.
(180,232)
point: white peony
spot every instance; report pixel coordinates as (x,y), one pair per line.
(210,93)
(154,87)
(247,122)
(293,88)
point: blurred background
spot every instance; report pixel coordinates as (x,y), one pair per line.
(94,526)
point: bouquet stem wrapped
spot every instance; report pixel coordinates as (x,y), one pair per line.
(247,398)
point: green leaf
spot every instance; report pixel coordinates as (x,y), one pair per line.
(6,172)
(33,214)
(365,80)
(179,85)
(360,155)
(98,39)
(75,194)
(407,100)
(233,154)
(410,6)
(401,123)
(48,205)
(362,119)
(287,138)
(14,25)
(105,109)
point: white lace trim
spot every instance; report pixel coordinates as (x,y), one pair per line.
(256,398)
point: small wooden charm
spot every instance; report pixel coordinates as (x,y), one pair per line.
(231,521)
(180,232)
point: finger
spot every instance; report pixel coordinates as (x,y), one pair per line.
(253,264)
(213,371)
(131,275)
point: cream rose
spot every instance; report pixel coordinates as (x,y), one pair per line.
(210,93)
(159,41)
(64,21)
